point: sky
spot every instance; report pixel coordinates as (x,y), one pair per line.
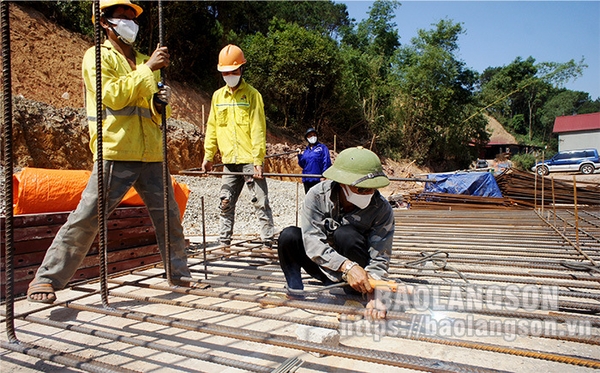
(497,32)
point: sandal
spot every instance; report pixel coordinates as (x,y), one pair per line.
(41,288)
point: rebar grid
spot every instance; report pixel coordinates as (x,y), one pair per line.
(247,274)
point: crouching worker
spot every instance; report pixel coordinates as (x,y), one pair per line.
(132,108)
(346,229)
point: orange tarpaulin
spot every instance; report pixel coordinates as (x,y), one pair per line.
(39,190)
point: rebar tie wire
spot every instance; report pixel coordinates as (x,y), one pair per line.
(439,264)
(580,266)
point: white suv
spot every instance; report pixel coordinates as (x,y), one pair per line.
(585,160)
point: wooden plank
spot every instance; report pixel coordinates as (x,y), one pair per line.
(20,286)
(522,186)
(131,242)
(116,239)
(45,231)
(53,218)
(25,247)
(32,220)
(91,260)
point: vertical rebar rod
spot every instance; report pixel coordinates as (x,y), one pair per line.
(576,211)
(542,195)
(553,201)
(8,174)
(204,239)
(102,255)
(297,197)
(166,179)
(535,187)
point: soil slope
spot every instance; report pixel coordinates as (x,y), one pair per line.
(50,127)
(46,66)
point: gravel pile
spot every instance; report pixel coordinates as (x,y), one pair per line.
(282,195)
(285,198)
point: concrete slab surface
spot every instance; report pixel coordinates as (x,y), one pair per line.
(244,322)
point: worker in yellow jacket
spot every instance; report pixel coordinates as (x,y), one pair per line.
(127,92)
(237,128)
(133,105)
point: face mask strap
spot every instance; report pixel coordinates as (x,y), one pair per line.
(112,27)
(367,177)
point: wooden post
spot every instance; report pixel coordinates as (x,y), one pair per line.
(297,186)
(203,121)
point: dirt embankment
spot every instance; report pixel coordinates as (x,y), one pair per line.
(50,128)
(46,66)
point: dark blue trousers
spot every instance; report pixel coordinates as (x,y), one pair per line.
(292,256)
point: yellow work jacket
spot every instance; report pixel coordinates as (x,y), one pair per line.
(236,126)
(132,126)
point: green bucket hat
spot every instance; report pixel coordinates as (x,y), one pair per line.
(358,167)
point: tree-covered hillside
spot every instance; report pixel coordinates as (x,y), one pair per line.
(316,67)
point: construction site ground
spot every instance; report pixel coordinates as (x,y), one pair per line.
(242,321)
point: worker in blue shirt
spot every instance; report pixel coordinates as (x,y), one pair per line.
(314,160)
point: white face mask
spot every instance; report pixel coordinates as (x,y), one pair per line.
(359,200)
(312,140)
(232,80)
(125,29)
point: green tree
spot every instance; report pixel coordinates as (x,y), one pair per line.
(502,89)
(73,15)
(367,97)
(516,94)
(296,70)
(195,31)
(589,106)
(367,51)
(434,100)
(562,102)
(376,35)
(193,37)
(250,17)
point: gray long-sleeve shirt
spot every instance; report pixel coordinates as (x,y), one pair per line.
(322,214)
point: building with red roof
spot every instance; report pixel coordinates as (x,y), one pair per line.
(578,131)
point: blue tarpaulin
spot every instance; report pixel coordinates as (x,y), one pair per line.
(470,183)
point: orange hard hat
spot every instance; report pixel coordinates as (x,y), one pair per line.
(108,3)
(230,58)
